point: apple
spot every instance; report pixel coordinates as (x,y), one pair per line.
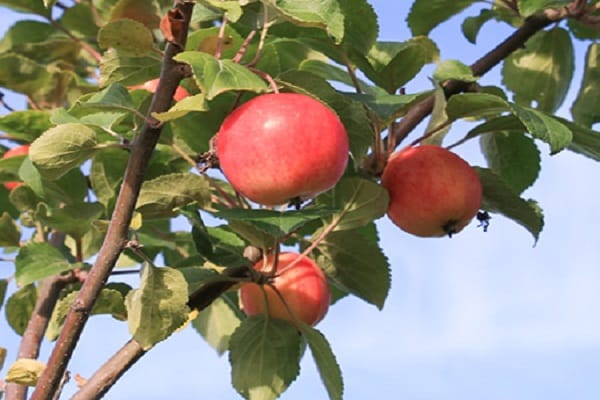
(303,286)
(151,85)
(433,192)
(22,150)
(281,147)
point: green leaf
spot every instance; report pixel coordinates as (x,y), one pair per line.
(160,197)
(138,41)
(585,108)
(3,287)
(206,40)
(530,7)
(25,125)
(25,371)
(360,25)
(281,55)
(232,8)
(585,141)
(472,25)
(274,222)
(542,71)
(19,308)
(438,126)
(216,323)
(27,6)
(499,197)
(106,173)
(73,219)
(142,11)
(10,234)
(62,148)
(477,105)
(360,201)
(389,107)
(329,369)
(113,98)
(393,64)
(265,357)
(36,261)
(513,156)
(355,262)
(79,20)
(455,70)
(544,127)
(117,66)
(425,15)
(191,103)
(215,76)
(324,14)
(158,307)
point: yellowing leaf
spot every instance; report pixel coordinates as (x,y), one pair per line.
(25,371)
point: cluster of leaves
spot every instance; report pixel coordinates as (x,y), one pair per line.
(77,70)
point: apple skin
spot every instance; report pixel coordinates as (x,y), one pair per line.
(282,146)
(433,192)
(151,85)
(22,150)
(303,286)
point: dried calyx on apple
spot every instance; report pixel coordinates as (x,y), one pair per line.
(433,192)
(302,286)
(282,147)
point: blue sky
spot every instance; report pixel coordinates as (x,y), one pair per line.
(479,316)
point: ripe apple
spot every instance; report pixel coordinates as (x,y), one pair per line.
(433,192)
(22,150)
(151,85)
(282,146)
(303,286)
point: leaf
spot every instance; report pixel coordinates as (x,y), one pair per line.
(360,201)
(542,71)
(118,66)
(25,371)
(274,222)
(112,98)
(360,25)
(264,356)
(182,107)
(324,14)
(160,197)
(393,64)
(530,7)
(513,156)
(3,287)
(453,70)
(27,6)
(62,148)
(106,173)
(389,107)
(425,15)
(36,261)
(19,307)
(216,323)
(585,108)
(281,55)
(500,198)
(25,125)
(73,219)
(215,76)
(158,307)
(138,41)
(585,141)
(472,25)
(438,125)
(354,261)
(477,105)
(142,11)
(329,369)
(544,127)
(10,234)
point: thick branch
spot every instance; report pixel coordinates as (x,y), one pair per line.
(116,236)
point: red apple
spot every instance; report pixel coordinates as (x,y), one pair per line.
(303,286)
(280,147)
(180,93)
(433,192)
(22,150)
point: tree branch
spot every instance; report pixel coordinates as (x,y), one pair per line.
(116,236)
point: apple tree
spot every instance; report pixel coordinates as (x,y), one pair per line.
(231,153)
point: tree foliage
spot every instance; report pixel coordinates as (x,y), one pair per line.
(111,165)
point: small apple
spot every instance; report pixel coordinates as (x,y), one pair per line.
(433,192)
(303,286)
(151,85)
(282,146)
(22,150)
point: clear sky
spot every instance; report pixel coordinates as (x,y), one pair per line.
(479,316)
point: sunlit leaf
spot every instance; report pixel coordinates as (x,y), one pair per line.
(585,108)
(425,15)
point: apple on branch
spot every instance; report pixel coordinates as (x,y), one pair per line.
(301,284)
(151,85)
(21,150)
(282,147)
(433,192)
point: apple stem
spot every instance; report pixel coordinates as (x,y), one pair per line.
(266,77)
(220,38)
(244,47)
(263,36)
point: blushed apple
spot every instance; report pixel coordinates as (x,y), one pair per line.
(151,85)
(280,147)
(303,286)
(433,192)
(21,150)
